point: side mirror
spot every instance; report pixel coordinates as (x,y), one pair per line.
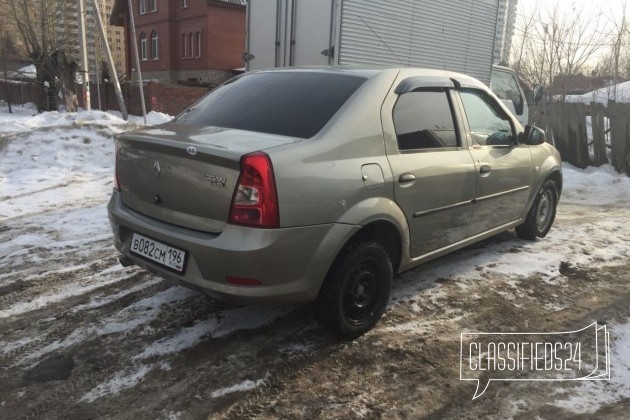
(538,93)
(533,136)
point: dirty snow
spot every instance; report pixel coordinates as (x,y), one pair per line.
(592,395)
(604,94)
(55,180)
(118,383)
(246,385)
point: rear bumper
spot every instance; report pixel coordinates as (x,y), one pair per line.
(291,263)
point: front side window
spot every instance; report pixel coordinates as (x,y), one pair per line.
(488,125)
(289,103)
(143,46)
(424,120)
(155,45)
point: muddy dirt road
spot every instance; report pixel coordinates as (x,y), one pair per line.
(82,337)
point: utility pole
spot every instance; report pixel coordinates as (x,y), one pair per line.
(134,43)
(84,58)
(110,61)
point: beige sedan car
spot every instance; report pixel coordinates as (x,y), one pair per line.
(318,185)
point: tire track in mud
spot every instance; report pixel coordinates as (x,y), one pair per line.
(66,393)
(58,323)
(72,181)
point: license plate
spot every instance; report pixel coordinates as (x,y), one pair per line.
(163,254)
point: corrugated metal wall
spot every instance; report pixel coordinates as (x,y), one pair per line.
(453,35)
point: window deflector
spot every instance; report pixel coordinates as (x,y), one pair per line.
(414,83)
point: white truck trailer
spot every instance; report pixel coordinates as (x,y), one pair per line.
(457,35)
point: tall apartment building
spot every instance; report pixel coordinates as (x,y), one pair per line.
(68,30)
(506,21)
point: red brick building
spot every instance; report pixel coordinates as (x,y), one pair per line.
(185,41)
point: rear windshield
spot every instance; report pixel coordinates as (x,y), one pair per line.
(296,104)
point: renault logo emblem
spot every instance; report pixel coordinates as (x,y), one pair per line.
(156,168)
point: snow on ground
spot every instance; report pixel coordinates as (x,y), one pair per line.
(246,385)
(604,94)
(592,395)
(56,177)
(599,187)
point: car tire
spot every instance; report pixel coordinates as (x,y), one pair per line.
(542,213)
(356,290)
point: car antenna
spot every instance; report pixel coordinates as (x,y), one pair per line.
(382,41)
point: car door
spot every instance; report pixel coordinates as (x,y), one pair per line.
(434,176)
(504,168)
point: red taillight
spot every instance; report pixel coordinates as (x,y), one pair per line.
(255,201)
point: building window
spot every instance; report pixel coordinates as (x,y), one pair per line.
(143,46)
(184,3)
(153,5)
(198,44)
(191,44)
(142,7)
(155,44)
(184,45)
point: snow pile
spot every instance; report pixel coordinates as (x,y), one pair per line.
(27,72)
(69,158)
(603,95)
(596,186)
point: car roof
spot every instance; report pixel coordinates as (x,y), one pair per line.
(367,72)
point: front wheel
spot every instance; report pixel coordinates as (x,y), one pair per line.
(356,291)
(542,213)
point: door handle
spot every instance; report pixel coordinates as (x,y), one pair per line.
(485,169)
(404,178)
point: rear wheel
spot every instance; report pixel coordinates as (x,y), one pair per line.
(542,213)
(356,291)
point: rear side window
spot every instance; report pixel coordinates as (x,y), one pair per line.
(296,104)
(424,120)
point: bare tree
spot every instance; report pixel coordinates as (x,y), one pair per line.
(36,29)
(553,43)
(5,47)
(615,64)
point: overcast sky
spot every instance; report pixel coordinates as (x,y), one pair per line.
(610,13)
(610,9)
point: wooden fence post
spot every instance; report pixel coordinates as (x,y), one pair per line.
(599,134)
(619,115)
(617,135)
(580,139)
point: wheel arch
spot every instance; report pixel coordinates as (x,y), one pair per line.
(556,177)
(385,233)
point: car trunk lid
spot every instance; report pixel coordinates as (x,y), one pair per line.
(185,175)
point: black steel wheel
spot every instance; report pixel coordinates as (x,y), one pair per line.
(356,291)
(542,213)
